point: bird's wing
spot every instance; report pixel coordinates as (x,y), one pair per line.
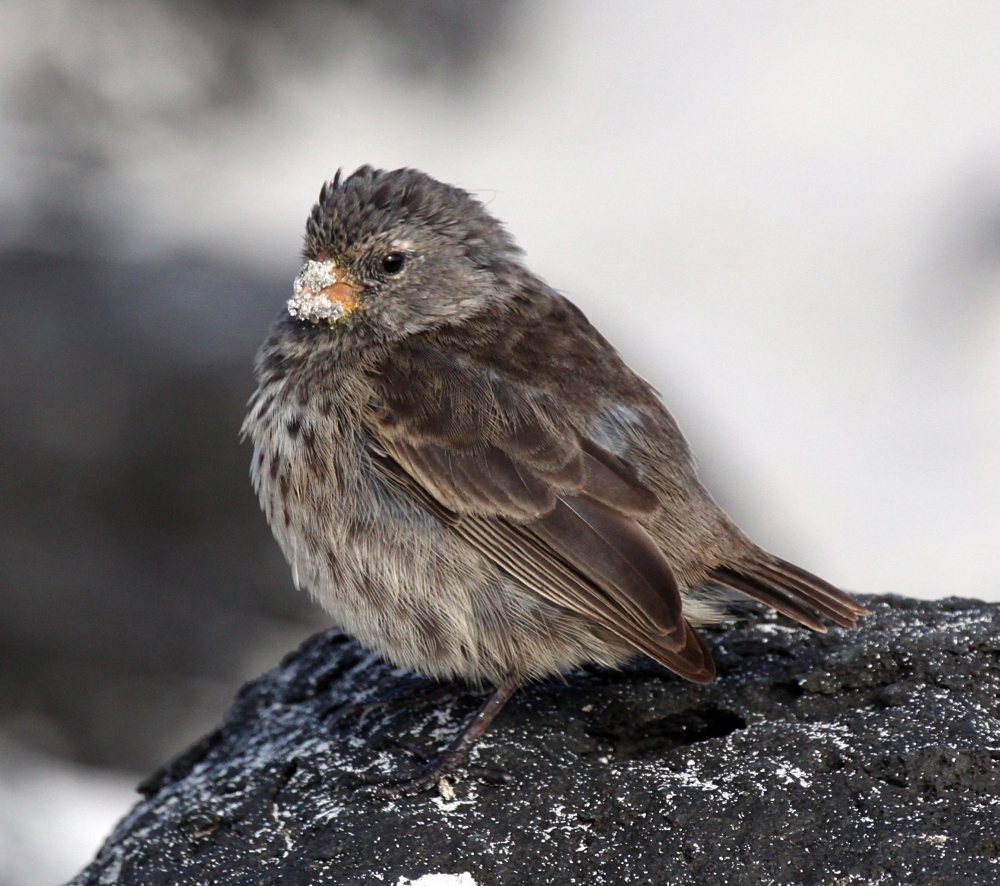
(498,461)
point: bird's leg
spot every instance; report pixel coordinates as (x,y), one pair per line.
(453,757)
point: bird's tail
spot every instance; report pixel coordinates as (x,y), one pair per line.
(792,591)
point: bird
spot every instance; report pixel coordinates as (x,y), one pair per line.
(469,478)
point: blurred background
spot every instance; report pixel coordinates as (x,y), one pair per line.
(786,216)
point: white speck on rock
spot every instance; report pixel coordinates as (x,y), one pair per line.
(446,789)
(792,774)
(463,879)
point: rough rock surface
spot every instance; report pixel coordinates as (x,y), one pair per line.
(864,757)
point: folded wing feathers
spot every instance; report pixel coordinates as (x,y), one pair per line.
(561,517)
(484,478)
(693,660)
(684,651)
(528,560)
(522,553)
(617,554)
(609,480)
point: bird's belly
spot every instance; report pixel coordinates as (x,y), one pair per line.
(403,583)
(384,569)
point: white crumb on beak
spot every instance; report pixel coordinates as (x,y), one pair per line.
(308,302)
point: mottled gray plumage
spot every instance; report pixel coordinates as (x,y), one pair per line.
(463,471)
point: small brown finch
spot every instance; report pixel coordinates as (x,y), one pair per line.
(468,477)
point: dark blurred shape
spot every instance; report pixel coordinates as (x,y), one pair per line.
(138,574)
(430,37)
(447,38)
(238,41)
(180,63)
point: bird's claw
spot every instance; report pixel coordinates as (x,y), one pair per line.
(435,774)
(491,774)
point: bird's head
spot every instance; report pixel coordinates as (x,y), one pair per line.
(397,252)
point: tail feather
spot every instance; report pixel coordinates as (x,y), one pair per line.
(790,590)
(764,592)
(835,597)
(833,609)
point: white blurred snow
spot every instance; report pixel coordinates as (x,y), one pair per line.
(54,815)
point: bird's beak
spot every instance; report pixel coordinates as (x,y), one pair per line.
(342,291)
(323,291)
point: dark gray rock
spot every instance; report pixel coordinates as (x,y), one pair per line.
(858,757)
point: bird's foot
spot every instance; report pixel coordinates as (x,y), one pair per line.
(435,774)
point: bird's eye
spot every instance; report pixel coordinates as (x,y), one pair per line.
(393,262)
